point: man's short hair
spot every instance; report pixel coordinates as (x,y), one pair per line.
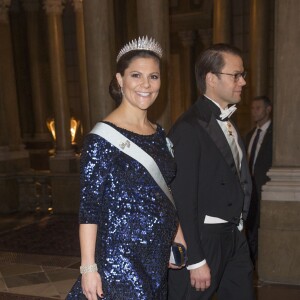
(263,98)
(211,60)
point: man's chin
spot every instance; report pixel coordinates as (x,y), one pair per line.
(235,101)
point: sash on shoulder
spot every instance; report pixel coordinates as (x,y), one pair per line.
(131,149)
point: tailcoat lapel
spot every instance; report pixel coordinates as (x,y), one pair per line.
(207,120)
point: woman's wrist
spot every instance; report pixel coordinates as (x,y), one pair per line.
(88,268)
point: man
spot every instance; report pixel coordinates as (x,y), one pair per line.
(259,145)
(212,187)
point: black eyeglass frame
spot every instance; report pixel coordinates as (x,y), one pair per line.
(235,76)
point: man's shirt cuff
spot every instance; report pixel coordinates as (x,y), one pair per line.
(197,265)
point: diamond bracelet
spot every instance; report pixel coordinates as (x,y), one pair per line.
(88,269)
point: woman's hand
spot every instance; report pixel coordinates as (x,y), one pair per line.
(179,238)
(90,281)
(174,267)
(92,285)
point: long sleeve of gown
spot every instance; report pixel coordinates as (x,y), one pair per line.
(95,164)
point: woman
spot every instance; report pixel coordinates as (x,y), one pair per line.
(127,222)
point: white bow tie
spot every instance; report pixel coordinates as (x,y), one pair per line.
(228,112)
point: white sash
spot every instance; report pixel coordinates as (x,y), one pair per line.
(131,149)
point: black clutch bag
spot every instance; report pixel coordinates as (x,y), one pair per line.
(178,255)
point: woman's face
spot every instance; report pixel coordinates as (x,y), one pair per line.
(140,83)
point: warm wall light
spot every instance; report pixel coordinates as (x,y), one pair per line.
(73,128)
(51,127)
(74,125)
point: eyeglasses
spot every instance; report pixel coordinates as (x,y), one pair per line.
(235,76)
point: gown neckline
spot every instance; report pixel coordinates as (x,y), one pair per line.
(132,132)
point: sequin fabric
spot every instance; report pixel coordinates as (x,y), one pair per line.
(136,221)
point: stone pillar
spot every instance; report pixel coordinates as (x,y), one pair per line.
(205,36)
(222,23)
(13,157)
(8,85)
(177,106)
(153,20)
(85,108)
(20,54)
(279,235)
(126,21)
(64,165)
(187,39)
(259,33)
(131,20)
(31,8)
(4,22)
(54,10)
(100,55)
(40,143)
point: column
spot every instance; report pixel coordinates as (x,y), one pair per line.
(175,79)
(100,55)
(8,84)
(4,149)
(3,131)
(187,39)
(259,33)
(80,35)
(153,20)
(64,166)
(279,235)
(205,36)
(20,54)
(31,8)
(222,23)
(54,10)
(126,21)
(13,157)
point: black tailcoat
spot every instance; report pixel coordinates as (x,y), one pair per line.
(207,182)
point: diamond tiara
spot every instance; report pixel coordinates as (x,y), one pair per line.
(143,43)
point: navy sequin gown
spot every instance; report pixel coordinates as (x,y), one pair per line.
(136,221)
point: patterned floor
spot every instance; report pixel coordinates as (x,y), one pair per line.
(53,235)
(39,259)
(39,256)
(5,296)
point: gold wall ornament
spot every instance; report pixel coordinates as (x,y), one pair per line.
(74,126)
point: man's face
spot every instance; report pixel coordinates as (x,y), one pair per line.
(223,88)
(260,112)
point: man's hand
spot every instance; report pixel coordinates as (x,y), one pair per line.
(200,278)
